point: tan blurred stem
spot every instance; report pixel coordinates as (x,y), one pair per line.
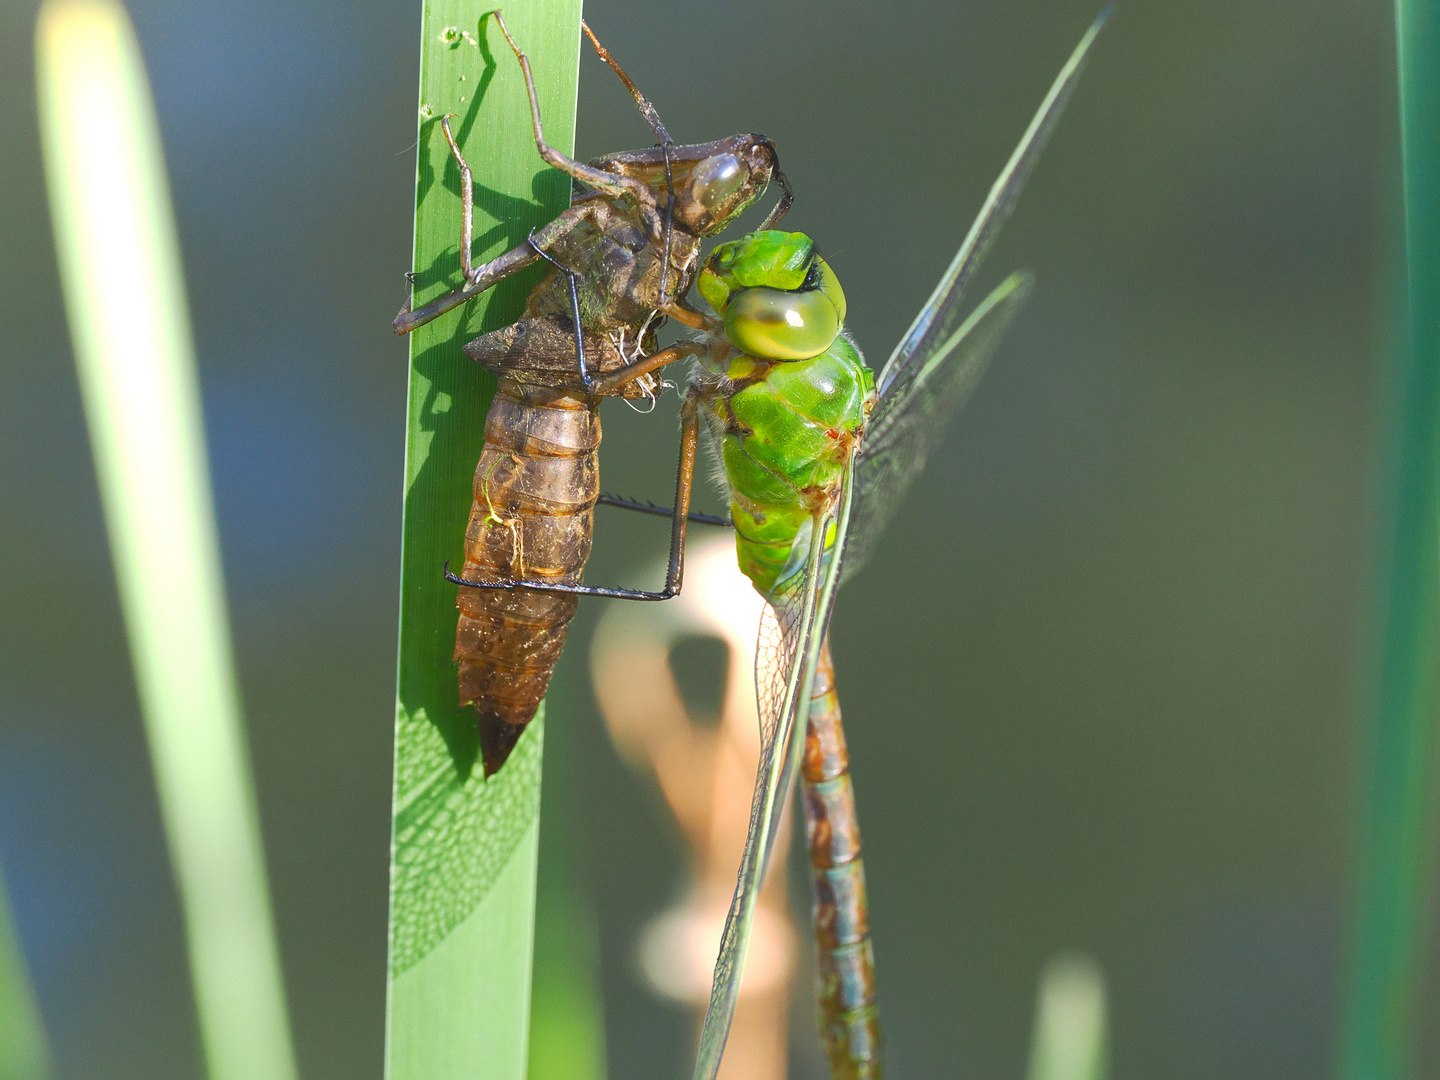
(706,774)
(120,267)
(1070,1041)
(23,1052)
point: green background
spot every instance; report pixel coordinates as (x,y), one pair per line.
(1102,682)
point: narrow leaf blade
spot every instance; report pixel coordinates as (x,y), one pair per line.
(125,298)
(463,854)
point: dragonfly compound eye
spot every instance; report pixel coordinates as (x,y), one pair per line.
(717,178)
(787,324)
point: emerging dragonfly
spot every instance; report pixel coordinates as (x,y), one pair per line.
(817,456)
(620,261)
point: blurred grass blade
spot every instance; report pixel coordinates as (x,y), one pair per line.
(462,885)
(1071,1039)
(23,1053)
(120,267)
(1392,865)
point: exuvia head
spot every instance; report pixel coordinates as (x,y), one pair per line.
(722,185)
(778,298)
(714,182)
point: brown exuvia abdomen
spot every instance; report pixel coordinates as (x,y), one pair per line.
(535,491)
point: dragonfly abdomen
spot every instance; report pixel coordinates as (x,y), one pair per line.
(532,518)
(848,1018)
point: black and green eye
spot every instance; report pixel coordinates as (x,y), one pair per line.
(787,324)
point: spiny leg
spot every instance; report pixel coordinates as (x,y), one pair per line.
(684,486)
(570,276)
(641,102)
(614,380)
(481,278)
(621,503)
(661,136)
(467,200)
(487,274)
(477,278)
(674,575)
(607,182)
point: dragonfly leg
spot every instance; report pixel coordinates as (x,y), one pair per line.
(687,314)
(641,102)
(614,380)
(570,276)
(782,207)
(661,136)
(467,199)
(675,573)
(608,182)
(662,511)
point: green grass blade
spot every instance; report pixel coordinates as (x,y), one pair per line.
(463,864)
(1392,863)
(23,1052)
(120,267)
(1071,1039)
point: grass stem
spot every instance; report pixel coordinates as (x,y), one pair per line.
(464,850)
(1392,868)
(125,298)
(1070,1040)
(24,1054)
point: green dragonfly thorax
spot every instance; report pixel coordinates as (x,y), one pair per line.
(791,400)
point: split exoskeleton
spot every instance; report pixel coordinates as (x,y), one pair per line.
(620,261)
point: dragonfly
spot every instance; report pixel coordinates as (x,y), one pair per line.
(817,453)
(617,263)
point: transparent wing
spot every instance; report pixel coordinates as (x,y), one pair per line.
(941,314)
(792,630)
(896,449)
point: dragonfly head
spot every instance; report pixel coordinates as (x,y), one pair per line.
(722,185)
(714,182)
(717,181)
(778,298)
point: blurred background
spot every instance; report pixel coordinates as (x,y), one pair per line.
(1102,682)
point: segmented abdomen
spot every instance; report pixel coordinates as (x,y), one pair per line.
(535,491)
(849,1019)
